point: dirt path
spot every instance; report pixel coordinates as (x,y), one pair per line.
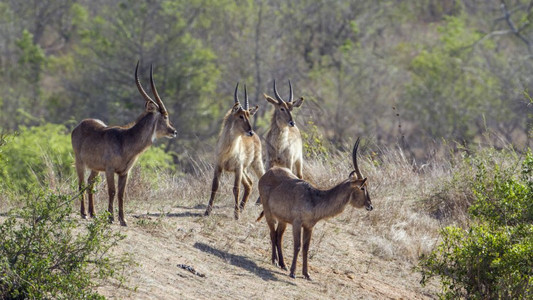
(225,259)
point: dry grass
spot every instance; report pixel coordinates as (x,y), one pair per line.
(358,254)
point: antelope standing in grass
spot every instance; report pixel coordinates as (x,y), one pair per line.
(288,199)
(284,142)
(114,149)
(237,149)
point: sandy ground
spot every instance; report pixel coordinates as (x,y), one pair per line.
(232,259)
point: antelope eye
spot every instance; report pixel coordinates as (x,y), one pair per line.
(282,109)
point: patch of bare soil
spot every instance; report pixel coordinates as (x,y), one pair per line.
(181,254)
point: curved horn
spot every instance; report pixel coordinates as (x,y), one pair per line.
(158,100)
(354,158)
(140,88)
(235,96)
(290,87)
(276,93)
(246,103)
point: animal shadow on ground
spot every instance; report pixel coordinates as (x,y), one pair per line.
(239,261)
(169,215)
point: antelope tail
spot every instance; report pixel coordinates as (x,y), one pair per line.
(260,216)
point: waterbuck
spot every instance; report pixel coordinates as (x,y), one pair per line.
(237,149)
(284,142)
(114,149)
(288,199)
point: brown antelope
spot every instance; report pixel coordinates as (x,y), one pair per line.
(237,149)
(114,149)
(288,199)
(284,143)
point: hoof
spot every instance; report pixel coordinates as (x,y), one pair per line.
(308,278)
(83,216)
(123,223)
(283,267)
(292,275)
(207,213)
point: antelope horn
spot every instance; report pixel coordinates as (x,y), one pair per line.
(162,108)
(276,93)
(246,103)
(235,96)
(354,158)
(290,87)
(140,88)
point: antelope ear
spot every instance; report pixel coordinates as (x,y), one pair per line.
(151,106)
(298,102)
(253,110)
(270,99)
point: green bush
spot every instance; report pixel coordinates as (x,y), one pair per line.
(43,155)
(44,254)
(35,154)
(492,259)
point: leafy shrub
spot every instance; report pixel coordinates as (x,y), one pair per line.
(46,254)
(33,154)
(492,259)
(43,155)
(313,142)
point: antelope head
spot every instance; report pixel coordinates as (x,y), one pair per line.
(163,127)
(359,196)
(282,108)
(241,115)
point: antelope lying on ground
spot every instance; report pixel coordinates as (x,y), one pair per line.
(115,149)
(237,149)
(284,143)
(288,199)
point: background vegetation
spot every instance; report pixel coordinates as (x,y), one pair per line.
(447,81)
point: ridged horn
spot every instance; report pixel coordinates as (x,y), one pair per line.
(354,158)
(246,103)
(276,93)
(162,108)
(140,88)
(290,87)
(235,96)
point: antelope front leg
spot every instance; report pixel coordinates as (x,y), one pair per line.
(214,189)
(299,166)
(247,183)
(81,178)
(110,179)
(297,236)
(306,240)
(122,180)
(90,191)
(236,188)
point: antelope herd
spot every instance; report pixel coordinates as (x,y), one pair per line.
(285,197)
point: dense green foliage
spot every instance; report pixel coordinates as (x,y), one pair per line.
(451,69)
(492,258)
(45,254)
(42,155)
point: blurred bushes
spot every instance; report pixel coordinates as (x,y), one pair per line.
(492,258)
(43,155)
